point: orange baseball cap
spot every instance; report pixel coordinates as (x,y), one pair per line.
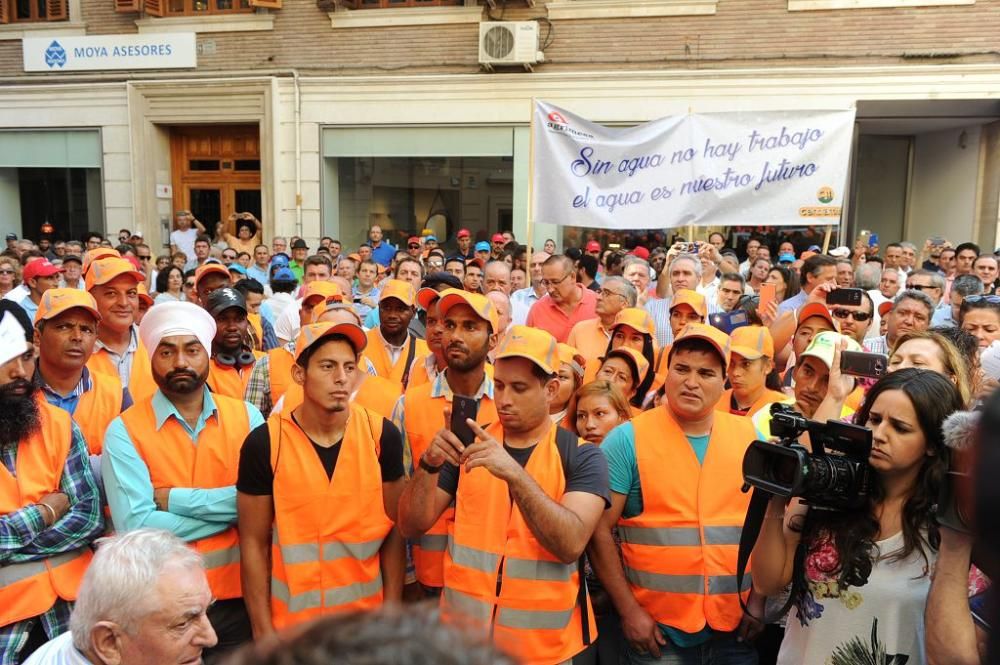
(884,308)
(144,294)
(531,344)
(692,299)
(313,332)
(97,254)
(330,303)
(209,268)
(103,271)
(570,355)
(475,262)
(426,297)
(480,304)
(400,290)
(56,301)
(633,358)
(815,309)
(638,319)
(752,342)
(710,334)
(354,257)
(319,288)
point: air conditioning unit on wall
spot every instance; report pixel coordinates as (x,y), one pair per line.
(503,43)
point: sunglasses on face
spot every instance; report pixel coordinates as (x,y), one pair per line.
(145,258)
(188,285)
(6,272)
(414,246)
(920,287)
(844,313)
(225,256)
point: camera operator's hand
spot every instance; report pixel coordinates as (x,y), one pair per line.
(840,385)
(642,632)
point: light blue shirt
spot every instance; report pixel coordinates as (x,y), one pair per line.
(259,274)
(793,304)
(193,513)
(942,316)
(29,306)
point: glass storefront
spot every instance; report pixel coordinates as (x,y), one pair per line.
(409,195)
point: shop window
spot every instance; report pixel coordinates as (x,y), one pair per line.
(394,4)
(407,196)
(33,11)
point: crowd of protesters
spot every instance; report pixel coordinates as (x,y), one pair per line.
(545,446)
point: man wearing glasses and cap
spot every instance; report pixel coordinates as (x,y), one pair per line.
(527,499)
(302,560)
(170,461)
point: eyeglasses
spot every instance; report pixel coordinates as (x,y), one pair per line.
(993,300)
(145,258)
(844,313)
(6,272)
(554,282)
(922,287)
(414,246)
(188,285)
(231,257)
(604,293)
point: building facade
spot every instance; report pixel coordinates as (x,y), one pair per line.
(325,117)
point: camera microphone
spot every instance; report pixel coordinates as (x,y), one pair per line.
(959,429)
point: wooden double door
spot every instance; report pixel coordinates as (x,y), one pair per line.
(216,172)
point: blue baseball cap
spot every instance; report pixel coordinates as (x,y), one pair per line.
(284,275)
(430,236)
(279,259)
(237,268)
(786,258)
(483,246)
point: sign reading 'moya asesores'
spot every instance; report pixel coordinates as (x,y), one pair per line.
(105,52)
(771,168)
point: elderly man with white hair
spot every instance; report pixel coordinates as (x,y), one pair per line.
(684,272)
(144,600)
(170,461)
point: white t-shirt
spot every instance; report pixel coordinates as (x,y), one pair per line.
(851,625)
(184,240)
(58,651)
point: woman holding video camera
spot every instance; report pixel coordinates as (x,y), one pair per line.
(860,578)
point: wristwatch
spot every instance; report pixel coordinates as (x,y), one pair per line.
(428,467)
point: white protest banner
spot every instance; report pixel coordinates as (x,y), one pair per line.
(767,168)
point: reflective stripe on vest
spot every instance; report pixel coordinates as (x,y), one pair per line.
(12,573)
(326,561)
(685,541)
(514,567)
(519,619)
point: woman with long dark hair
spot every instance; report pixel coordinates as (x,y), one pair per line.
(634,328)
(860,577)
(169,285)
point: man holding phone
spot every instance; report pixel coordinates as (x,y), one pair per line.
(527,499)
(464,389)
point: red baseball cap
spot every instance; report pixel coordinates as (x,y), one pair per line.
(463,233)
(40,268)
(413,239)
(641,252)
(498,237)
(593,246)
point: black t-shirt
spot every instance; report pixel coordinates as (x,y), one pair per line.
(587,471)
(257,478)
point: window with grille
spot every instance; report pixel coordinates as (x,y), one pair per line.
(193,7)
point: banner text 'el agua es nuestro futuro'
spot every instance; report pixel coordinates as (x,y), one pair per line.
(769,168)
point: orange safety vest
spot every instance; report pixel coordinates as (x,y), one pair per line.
(379,357)
(227,380)
(279,368)
(423,418)
(32,588)
(140,383)
(326,560)
(97,408)
(496,571)
(680,552)
(175,461)
(766,398)
(257,331)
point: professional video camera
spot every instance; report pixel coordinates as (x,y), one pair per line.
(834,476)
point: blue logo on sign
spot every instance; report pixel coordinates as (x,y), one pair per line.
(55,54)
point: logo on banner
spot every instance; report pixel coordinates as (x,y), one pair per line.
(824,195)
(557,122)
(55,55)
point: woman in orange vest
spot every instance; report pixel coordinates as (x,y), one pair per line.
(301,559)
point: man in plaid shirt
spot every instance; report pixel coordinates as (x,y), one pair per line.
(49,503)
